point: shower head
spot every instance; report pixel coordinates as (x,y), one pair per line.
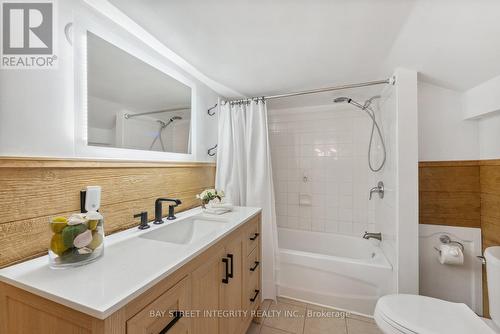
(351,101)
(342,99)
(165,124)
(369,111)
(175,118)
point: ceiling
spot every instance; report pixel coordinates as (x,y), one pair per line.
(262,47)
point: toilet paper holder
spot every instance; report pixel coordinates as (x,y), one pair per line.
(447,240)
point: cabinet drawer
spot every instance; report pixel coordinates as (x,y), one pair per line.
(252,235)
(162,316)
(253,262)
(252,286)
(252,296)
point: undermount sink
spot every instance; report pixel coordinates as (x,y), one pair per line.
(185,231)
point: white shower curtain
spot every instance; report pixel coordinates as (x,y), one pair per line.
(244,172)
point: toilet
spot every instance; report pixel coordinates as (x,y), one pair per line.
(403,313)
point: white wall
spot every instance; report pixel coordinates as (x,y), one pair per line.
(386,208)
(482,99)
(407,184)
(443,133)
(489,137)
(37,108)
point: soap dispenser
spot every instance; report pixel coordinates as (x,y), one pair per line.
(78,239)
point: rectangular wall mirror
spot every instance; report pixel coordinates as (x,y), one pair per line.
(131,104)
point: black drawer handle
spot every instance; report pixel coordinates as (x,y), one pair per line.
(177,316)
(255,266)
(230,256)
(254,236)
(225,280)
(255,297)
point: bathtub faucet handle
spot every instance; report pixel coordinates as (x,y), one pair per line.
(379,189)
(369,235)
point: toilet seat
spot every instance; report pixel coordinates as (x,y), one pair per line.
(388,326)
(410,314)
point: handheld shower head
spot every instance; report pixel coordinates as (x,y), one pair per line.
(165,124)
(366,108)
(342,99)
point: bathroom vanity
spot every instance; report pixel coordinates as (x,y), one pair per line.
(197,274)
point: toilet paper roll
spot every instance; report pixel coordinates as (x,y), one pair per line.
(451,254)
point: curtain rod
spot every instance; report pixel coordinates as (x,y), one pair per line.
(127,116)
(389,81)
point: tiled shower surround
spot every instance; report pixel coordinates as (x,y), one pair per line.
(320,168)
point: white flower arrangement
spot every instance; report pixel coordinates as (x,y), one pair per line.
(209,195)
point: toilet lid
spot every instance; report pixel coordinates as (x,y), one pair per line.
(388,326)
(426,315)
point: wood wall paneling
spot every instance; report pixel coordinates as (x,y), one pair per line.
(32,191)
(490,213)
(450,195)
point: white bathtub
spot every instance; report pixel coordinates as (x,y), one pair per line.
(348,273)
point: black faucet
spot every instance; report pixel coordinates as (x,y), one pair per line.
(158,209)
(144,220)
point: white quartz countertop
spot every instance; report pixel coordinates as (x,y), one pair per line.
(131,264)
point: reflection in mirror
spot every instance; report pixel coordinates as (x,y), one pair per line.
(132,104)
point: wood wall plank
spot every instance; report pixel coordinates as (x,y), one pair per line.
(47,162)
(452,163)
(29,196)
(490,231)
(486,304)
(490,214)
(490,228)
(490,179)
(449,179)
(490,205)
(27,193)
(449,208)
(450,195)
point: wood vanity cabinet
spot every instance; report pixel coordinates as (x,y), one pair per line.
(231,299)
(215,289)
(227,282)
(167,305)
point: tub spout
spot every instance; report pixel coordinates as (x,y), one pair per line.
(368,235)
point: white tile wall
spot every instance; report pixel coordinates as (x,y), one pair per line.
(319,155)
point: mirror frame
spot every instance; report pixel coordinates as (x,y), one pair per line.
(124,40)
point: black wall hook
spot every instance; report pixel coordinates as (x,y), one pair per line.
(211,151)
(210,109)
